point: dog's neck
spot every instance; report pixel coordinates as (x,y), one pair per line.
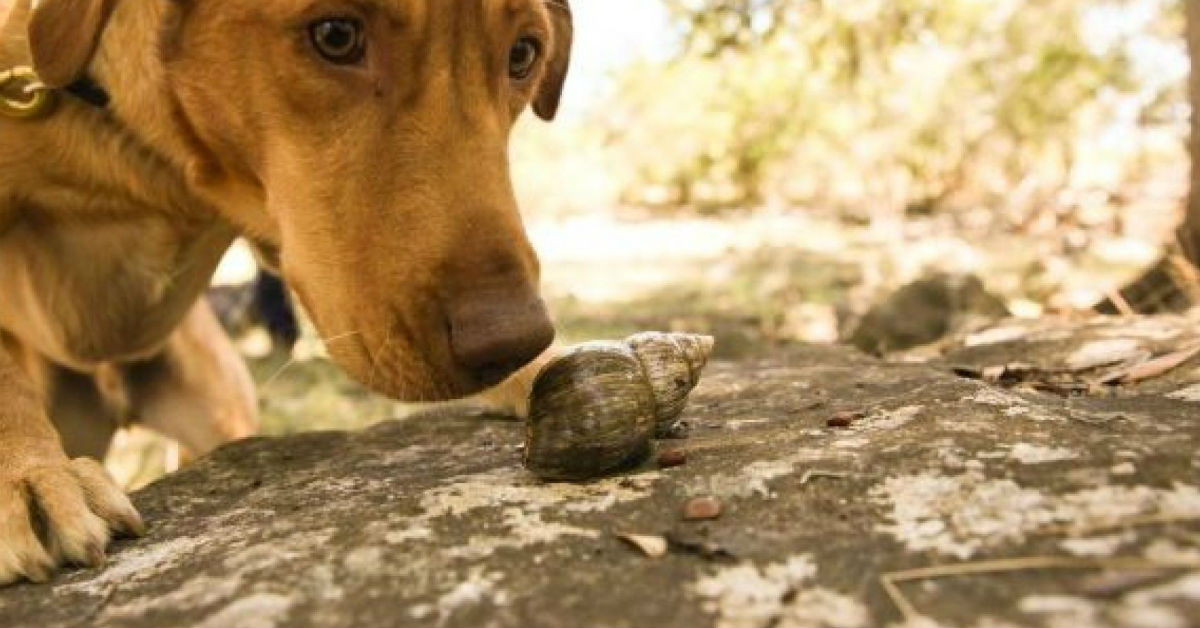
(129,64)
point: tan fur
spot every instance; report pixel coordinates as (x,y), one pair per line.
(382,190)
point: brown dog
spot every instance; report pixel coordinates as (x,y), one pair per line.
(362,143)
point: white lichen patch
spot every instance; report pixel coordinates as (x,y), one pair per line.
(1155,606)
(1028,453)
(260,610)
(478,588)
(1097,547)
(959,515)
(140,563)
(514,487)
(1191,394)
(268,557)
(1011,405)
(1186,587)
(1167,550)
(1158,605)
(851,443)
(746,596)
(519,500)
(889,419)
(1062,610)
(823,607)
(242,562)
(523,529)
(198,592)
(738,424)
(1122,469)
(1149,616)
(753,479)
(400,537)
(363,560)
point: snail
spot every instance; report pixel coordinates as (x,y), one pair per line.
(595,409)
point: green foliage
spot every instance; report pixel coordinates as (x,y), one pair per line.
(892,102)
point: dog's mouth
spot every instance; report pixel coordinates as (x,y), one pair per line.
(389,364)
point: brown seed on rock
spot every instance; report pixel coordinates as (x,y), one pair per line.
(701,509)
(672,458)
(845,418)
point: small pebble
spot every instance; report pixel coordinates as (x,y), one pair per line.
(701,509)
(672,458)
(679,431)
(1124,468)
(845,418)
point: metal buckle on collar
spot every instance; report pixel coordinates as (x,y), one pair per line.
(23,94)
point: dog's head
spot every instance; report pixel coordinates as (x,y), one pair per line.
(366,141)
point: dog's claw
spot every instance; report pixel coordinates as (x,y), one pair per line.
(93,555)
(37,571)
(132,525)
(73,506)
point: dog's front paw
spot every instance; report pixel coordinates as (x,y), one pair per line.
(55,512)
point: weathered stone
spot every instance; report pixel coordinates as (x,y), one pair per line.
(672,458)
(414,523)
(924,311)
(701,508)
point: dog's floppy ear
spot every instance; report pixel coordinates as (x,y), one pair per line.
(545,104)
(63,35)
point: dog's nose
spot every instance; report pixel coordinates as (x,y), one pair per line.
(494,333)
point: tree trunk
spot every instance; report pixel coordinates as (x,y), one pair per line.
(1189,233)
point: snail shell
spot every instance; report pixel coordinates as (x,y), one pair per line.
(672,363)
(595,409)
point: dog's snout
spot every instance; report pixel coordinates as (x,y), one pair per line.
(492,334)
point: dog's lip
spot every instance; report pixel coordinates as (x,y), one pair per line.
(414,379)
(392,362)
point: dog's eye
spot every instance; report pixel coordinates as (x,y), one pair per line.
(522,57)
(339,40)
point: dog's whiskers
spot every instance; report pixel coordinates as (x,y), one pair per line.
(274,376)
(292,360)
(341,336)
(376,357)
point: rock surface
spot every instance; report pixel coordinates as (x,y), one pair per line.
(432,521)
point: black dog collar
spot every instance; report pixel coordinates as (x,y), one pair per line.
(89,91)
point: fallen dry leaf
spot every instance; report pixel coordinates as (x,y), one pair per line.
(1152,368)
(650,545)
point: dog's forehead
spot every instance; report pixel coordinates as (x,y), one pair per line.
(425,9)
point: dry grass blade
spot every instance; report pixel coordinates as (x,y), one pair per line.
(813,474)
(1120,303)
(1186,277)
(891,581)
(1158,366)
(1093,527)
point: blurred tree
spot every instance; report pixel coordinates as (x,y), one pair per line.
(1189,233)
(882,102)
